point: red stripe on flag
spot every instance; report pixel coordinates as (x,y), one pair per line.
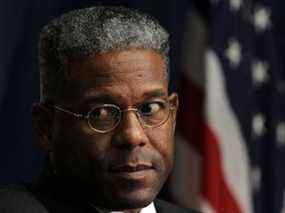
(192,127)
(214,187)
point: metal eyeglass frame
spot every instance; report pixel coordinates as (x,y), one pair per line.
(87,116)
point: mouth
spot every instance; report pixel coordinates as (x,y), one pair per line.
(131,168)
(132,171)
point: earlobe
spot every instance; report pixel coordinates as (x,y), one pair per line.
(42,120)
(174,102)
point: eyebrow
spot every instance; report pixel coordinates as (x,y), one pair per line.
(100,98)
(109,98)
(154,94)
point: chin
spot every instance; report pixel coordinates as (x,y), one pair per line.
(134,200)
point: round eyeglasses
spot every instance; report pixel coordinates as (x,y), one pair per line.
(106,117)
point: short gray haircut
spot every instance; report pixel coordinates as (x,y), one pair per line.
(85,32)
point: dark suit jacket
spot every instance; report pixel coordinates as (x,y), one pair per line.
(17,199)
(49,194)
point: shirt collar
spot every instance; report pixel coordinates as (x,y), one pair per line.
(148,209)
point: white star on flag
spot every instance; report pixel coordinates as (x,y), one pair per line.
(255,178)
(258,124)
(261,18)
(233,53)
(259,72)
(280,133)
(235,5)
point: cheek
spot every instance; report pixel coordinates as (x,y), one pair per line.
(162,141)
(76,145)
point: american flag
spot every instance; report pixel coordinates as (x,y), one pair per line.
(231,129)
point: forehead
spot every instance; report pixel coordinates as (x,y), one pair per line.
(130,73)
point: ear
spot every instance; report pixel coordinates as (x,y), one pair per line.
(174,103)
(42,120)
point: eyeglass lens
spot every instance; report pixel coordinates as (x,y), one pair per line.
(108,116)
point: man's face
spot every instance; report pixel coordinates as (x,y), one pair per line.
(126,167)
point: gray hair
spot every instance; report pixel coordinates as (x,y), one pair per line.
(85,32)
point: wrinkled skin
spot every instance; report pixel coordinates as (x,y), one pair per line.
(125,78)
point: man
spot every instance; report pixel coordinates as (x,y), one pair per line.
(105,120)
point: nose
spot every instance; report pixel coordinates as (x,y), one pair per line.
(130,132)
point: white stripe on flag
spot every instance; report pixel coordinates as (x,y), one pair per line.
(224,124)
(206,206)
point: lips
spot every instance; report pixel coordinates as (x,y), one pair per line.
(129,168)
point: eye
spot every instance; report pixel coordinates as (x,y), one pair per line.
(151,108)
(104,117)
(100,113)
(104,113)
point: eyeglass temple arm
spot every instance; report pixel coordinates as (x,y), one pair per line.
(69,112)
